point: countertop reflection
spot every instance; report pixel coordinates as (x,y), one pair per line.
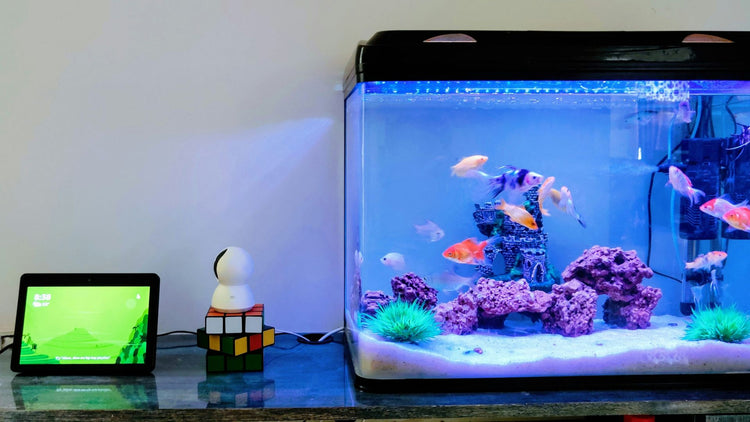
(314,382)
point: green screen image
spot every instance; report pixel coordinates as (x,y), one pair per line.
(85,325)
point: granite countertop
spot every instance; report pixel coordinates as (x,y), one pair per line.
(303,382)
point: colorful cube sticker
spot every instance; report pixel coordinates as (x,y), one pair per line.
(256,342)
(202,338)
(269,335)
(250,322)
(254,361)
(214,322)
(233,323)
(219,362)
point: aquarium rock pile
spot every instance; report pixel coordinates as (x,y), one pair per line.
(372,300)
(569,309)
(411,287)
(617,274)
(459,316)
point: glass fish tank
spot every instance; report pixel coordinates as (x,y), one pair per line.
(547,205)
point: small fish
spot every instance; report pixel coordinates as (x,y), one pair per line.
(707,260)
(358,259)
(738,218)
(564,201)
(544,193)
(642,117)
(714,288)
(518,214)
(514,179)
(466,252)
(394,260)
(431,230)
(468,165)
(697,296)
(717,207)
(449,281)
(684,114)
(682,184)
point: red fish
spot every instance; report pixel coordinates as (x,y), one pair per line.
(466,252)
(739,218)
(717,207)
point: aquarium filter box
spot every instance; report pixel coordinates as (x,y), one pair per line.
(534,205)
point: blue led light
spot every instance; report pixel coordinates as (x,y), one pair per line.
(609,87)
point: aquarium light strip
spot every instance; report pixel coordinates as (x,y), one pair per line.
(606,87)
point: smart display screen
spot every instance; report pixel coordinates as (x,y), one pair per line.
(80,323)
(85,325)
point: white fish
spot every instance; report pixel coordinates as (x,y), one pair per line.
(513,179)
(358,259)
(684,113)
(431,230)
(717,207)
(707,261)
(645,117)
(697,296)
(714,286)
(449,281)
(394,260)
(468,165)
(564,201)
(682,184)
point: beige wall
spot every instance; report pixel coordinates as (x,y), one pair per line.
(147,136)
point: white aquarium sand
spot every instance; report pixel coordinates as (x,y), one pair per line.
(522,350)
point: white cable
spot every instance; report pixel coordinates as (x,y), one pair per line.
(326,335)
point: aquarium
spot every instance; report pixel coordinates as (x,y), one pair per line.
(526,205)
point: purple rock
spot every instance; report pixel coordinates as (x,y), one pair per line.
(572,310)
(410,287)
(458,316)
(617,274)
(372,300)
(610,271)
(496,298)
(634,314)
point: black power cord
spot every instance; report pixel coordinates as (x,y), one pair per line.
(5,348)
(176,332)
(2,340)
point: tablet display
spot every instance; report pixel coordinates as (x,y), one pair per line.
(86,323)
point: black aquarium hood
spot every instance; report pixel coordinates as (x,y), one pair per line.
(548,55)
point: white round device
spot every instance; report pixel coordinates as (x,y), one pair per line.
(233,267)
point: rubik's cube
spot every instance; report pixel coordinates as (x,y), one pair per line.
(235,341)
(236,390)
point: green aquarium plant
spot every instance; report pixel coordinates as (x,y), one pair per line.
(724,324)
(403,322)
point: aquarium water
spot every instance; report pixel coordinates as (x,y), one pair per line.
(537,228)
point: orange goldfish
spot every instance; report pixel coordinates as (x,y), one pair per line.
(717,207)
(544,192)
(517,214)
(739,218)
(468,165)
(706,261)
(466,252)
